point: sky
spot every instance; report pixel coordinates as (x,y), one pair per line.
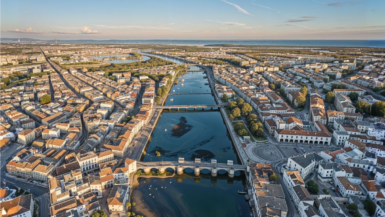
(193,19)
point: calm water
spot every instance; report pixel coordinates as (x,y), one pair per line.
(191,99)
(192,82)
(194,87)
(191,135)
(165,58)
(145,58)
(188,196)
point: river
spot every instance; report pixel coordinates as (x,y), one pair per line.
(199,134)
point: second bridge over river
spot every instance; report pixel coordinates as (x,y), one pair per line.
(187,107)
(197,165)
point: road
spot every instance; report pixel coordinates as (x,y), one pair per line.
(5,156)
(292,210)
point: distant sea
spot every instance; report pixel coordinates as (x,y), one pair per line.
(310,43)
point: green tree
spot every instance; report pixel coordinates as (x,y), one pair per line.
(236,112)
(370,207)
(128,204)
(231,105)
(246,109)
(301,101)
(378,109)
(159,91)
(252,118)
(240,102)
(362,107)
(329,97)
(99,213)
(312,187)
(133,203)
(231,117)
(272,86)
(274,177)
(164,90)
(260,125)
(353,96)
(243,132)
(325,191)
(158,154)
(225,98)
(259,133)
(304,90)
(254,128)
(129,214)
(238,126)
(158,99)
(45,99)
(338,86)
(352,207)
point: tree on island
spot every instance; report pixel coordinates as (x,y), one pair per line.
(45,99)
(157,153)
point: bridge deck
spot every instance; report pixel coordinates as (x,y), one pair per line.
(170,94)
(188,106)
(173,164)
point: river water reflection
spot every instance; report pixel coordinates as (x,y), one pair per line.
(200,134)
(186,195)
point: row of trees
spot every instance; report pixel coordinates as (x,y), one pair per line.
(241,108)
(377,109)
(153,62)
(255,126)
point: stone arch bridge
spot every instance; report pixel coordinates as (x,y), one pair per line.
(196,165)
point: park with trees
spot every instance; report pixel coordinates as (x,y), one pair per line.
(238,109)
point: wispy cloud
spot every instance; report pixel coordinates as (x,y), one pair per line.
(262,6)
(228,23)
(134,27)
(65,33)
(301,19)
(28,30)
(318,2)
(239,8)
(231,24)
(86,30)
(339,4)
(301,26)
